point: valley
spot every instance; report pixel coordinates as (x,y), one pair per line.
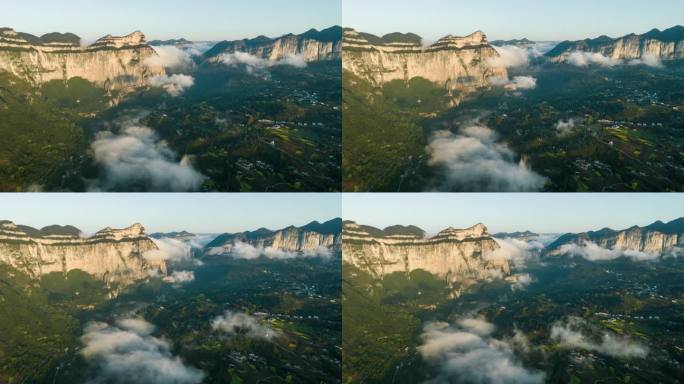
(223,117)
(546,122)
(564,314)
(236,307)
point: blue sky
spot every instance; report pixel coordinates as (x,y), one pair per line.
(199,213)
(542,213)
(164,19)
(500,19)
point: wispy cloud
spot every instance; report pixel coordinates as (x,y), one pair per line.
(594,252)
(473,160)
(180,277)
(569,335)
(257,65)
(239,323)
(174,85)
(242,250)
(137,158)
(467,352)
(127,352)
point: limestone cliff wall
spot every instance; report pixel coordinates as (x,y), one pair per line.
(456,63)
(110,255)
(455,255)
(111,62)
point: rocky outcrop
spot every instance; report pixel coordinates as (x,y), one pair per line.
(455,63)
(310,46)
(115,63)
(307,239)
(656,238)
(113,255)
(457,255)
(667,45)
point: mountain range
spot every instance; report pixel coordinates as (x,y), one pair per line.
(666,45)
(655,238)
(312,45)
(305,239)
(126,255)
(524,42)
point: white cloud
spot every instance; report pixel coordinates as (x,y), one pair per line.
(128,352)
(180,277)
(171,57)
(594,252)
(565,127)
(174,85)
(510,56)
(518,82)
(520,281)
(584,59)
(247,251)
(474,161)
(648,60)
(518,251)
(467,352)
(170,250)
(136,156)
(239,323)
(254,63)
(569,335)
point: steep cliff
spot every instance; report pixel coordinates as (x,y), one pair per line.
(656,238)
(303,240)
(310,46)
(115,63)
(456,63)
(666,45)
(113,255)
(457,255)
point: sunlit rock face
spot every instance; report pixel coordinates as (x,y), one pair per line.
(455,63)
(310,46)
(457,255)
(115,63)
(308,239)
(113,255)
(657,238)
(667,45)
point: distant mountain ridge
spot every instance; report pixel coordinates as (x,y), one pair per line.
(176,42)
(312,45)
(304,239)
(524,42)
(654,238)
(666,45)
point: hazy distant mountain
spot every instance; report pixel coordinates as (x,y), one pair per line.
(312,45)
(524,42)
(516,235)
(655,238)
(304,239)
(665,45)
(175,42)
